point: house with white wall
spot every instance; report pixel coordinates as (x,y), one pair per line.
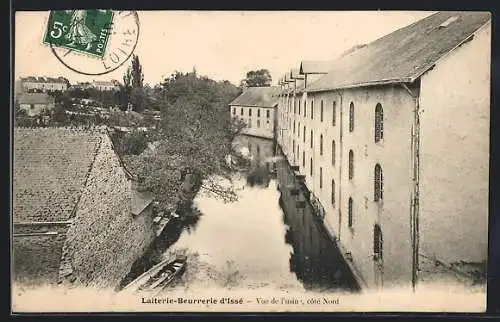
(394,143)
(256,107)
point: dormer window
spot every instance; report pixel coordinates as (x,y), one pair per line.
(448,21)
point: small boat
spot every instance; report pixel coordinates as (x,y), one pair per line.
(159,276)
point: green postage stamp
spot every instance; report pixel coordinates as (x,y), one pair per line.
(85,31)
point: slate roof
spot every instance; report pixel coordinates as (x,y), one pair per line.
(258,96)
(314,67)
(35,98)
(404,55)
(50,166)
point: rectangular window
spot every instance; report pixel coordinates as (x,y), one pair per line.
(267,114)
(258,112)
(249,112)
(312,109)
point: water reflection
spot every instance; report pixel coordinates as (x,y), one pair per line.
(268,237)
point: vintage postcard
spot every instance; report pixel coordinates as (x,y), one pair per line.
(250,161)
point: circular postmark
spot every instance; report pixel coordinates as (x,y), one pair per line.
(92,42)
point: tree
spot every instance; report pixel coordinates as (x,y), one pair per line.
(136,73)
(257,78)
(132,89)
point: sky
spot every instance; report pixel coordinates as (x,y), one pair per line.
(223,45)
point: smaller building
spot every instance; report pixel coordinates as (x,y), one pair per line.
(256,106)
(35,103)
(33,84)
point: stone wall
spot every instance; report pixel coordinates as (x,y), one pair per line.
(36,258)
(105,238)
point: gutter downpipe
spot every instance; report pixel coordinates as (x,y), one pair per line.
(414,201)
(340,93)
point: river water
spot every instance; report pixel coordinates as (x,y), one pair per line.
(260,240)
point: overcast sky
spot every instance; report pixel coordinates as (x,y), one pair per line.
(221,45)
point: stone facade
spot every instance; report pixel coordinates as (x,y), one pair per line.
(433,154)
(105,237)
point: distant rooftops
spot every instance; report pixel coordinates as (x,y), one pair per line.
(34,98)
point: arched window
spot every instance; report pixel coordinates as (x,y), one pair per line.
(293,127)
(351,117)
(311,169)
(333,193)
(312,109)
(379,123)
(320,177)
(312,138)
(349,212)
(304,159)
(378,242)
(378,183)
(304,138)
(333,152)
(334,113)
(295,107)
(321,144)
(299,106)
(321,111)
(351,164)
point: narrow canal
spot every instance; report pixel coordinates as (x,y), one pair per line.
(263,239)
